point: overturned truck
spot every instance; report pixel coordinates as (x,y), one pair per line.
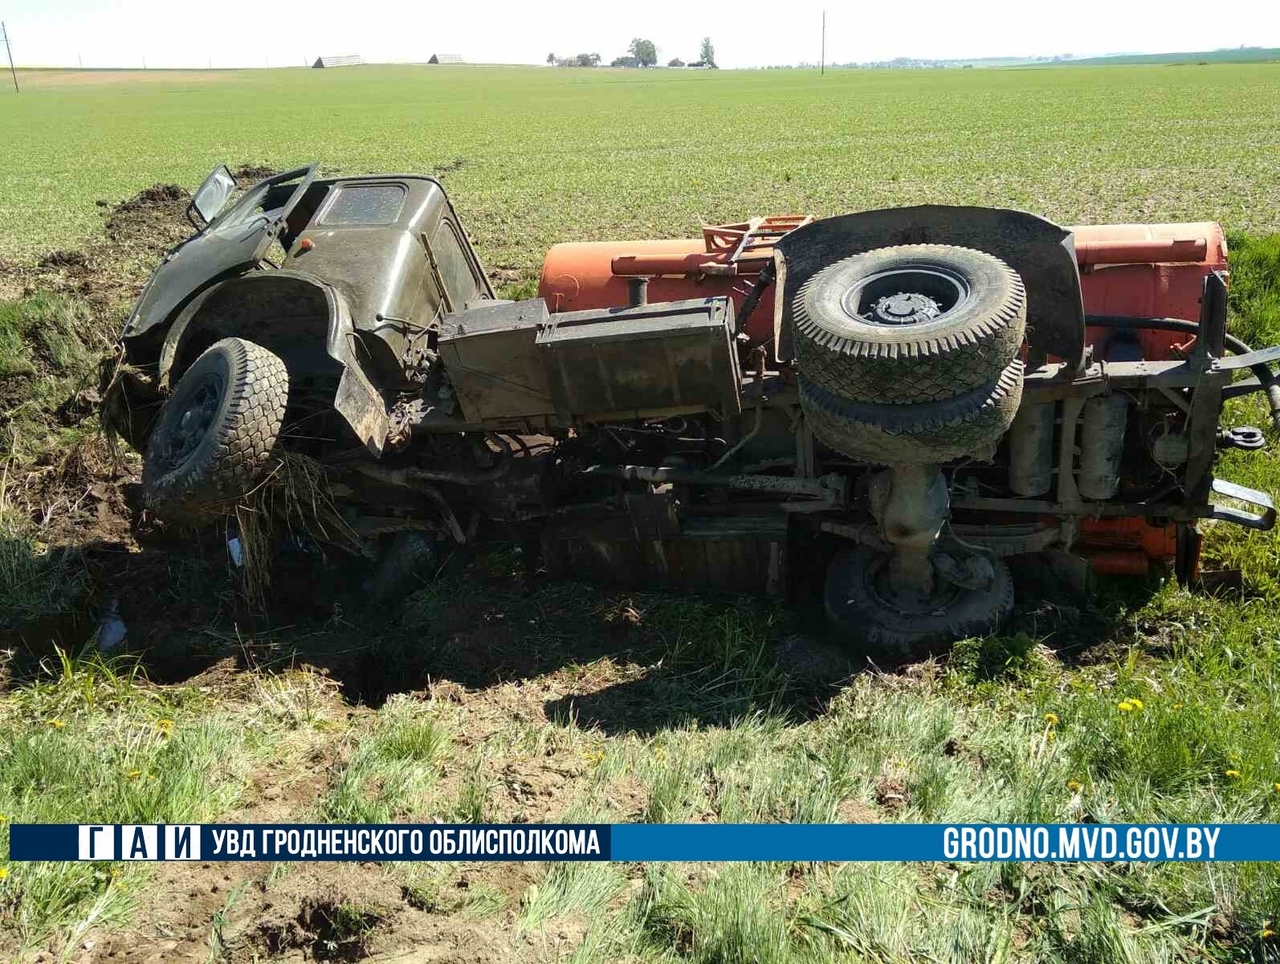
(909,397)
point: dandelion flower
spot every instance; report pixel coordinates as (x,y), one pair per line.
(1051,719)
(1266,931)
(1135,702)
(1075,786)
(1050,737)
(1276,787)
(165,727)
(4,872)
(134,774)
(1233,774)
(1124,706)
(56,723)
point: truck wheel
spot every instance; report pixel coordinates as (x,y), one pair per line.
(966,426)
(859,602)
(912,323)
(216,432)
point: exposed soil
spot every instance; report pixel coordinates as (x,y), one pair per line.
(110,273)
(137,232)
(85,497)
(299,912)
(355,911)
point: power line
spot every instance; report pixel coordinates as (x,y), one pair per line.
(822,62)
(9,51)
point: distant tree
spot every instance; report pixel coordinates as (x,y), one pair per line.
(707,53)
(675,62)
(588,60)
(625,62)
(551,59)
(644,51)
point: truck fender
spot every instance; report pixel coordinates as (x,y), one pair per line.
(231,307)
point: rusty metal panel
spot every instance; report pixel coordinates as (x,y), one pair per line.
(493,362)
(647,361)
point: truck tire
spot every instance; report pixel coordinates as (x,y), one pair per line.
(966,426)
(886,629)
(216,432)
(912,323)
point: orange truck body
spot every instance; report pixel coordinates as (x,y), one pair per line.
(1137,270)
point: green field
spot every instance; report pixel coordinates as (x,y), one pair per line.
(545,155)
(480,701)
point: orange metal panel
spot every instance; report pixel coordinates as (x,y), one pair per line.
(1153,270)
(1169,289)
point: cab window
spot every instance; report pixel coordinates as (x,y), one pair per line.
(365,204)
(455,267)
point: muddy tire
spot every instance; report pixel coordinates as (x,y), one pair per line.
(912,323)
(216,432)
(884,629)
(967,426)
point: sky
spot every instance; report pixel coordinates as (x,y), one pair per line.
(746,33)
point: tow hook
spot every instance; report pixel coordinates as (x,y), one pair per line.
(1245,437)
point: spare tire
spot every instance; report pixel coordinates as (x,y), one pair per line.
(969,425)
(912,323)
(216,432)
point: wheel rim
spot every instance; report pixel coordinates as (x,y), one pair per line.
(912,295)
(197,410)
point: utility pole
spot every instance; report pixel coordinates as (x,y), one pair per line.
(822,62)
(9,50)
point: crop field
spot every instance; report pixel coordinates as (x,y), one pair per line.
(537,156)
(483,698)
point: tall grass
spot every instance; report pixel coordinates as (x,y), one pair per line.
(391,769)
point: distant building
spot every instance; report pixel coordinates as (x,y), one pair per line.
(446,59)
(342,60)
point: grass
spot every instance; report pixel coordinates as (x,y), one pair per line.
(490,702)
(35,582)
(390,768)
(50,348)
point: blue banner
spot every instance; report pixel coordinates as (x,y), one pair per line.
(648,842)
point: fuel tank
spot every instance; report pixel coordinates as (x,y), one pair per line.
(1147,271)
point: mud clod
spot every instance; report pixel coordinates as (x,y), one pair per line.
(247,174)
(64,259)
(326,929)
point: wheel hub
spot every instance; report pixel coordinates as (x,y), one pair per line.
(881,585)
(197,416)
(905,308)
(910,295)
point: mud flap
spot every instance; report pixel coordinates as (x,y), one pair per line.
(359,403)
(1186,563)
